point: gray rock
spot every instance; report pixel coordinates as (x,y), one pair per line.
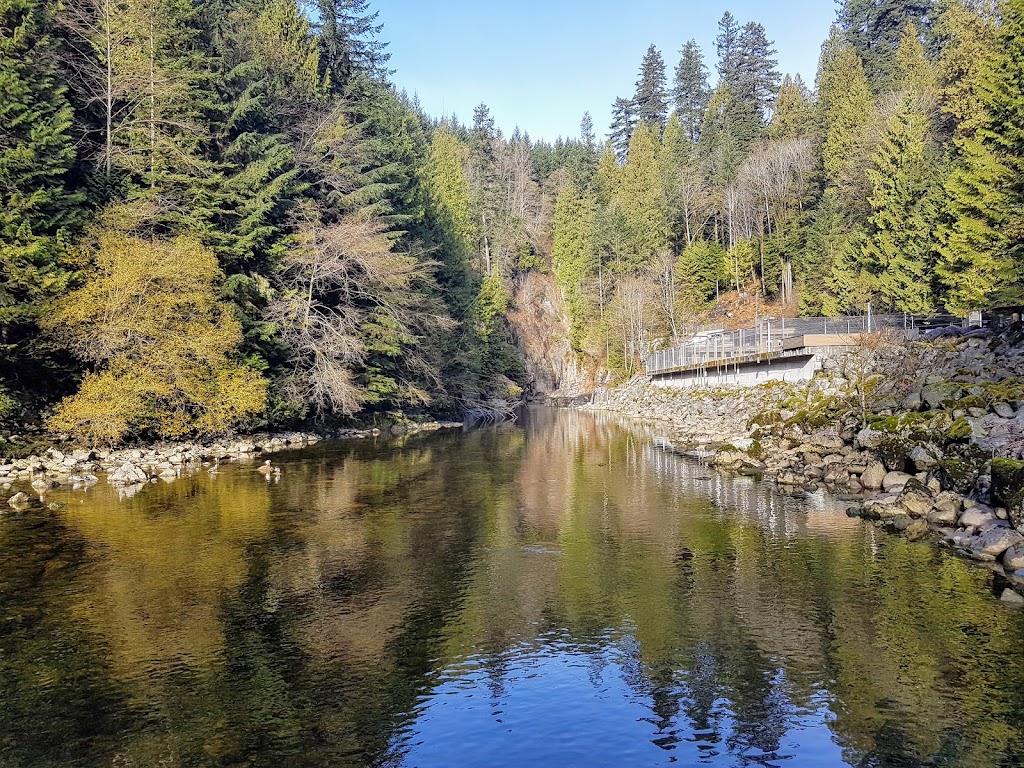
(901,522)
(975,518)
(18,500)
(1011,597)
(873,475)
(127,474)
(1003,410)
(917,502)
(996,541)
(1013,558)
(935,394)
(895,480)
(869,438)
(912,402)
(922,458)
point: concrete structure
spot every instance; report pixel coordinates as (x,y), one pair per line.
(794,365)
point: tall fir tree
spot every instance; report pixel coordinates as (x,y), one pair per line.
(641,198)
(350,43)
(572,254)
(845,107)
(624,120)
(793,115)
(690,90)
(981,259)
(38,211)
(875,27)
(651,97)
(899,252)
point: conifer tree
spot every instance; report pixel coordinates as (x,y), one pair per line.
(793,115)
(572,254)
(651,98)
(982,254)
(38,211)
(875,28)
(690,91)
(899,252)
(727,46)
(968,34)
(624,119)
(845,105)
(348,36)
(641,198)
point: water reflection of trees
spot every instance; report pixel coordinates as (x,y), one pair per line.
(224,620)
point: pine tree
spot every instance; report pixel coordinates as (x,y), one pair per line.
(641,198)
(448,190)
(690,91)
(967,36)
(699,272)
(572,254)
(757,77)
(875,28)
(348,35)
(727,46)
(982,254)
(624,120)
(651,98)
(900,249)
(793,115)
(912,71)
(38,212)
(845,105)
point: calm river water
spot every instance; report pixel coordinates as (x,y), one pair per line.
(554,593)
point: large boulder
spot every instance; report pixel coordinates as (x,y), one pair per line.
(923,458)
(127,474)
(996,541)
(895,481)
(873,475)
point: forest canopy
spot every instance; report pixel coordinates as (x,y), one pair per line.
(311,245)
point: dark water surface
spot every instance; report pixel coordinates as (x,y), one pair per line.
(556,593)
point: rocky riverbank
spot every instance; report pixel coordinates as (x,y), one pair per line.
(923,437)
(29,479)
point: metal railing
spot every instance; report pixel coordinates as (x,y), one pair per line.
(713,348)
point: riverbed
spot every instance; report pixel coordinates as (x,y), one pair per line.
(557,592)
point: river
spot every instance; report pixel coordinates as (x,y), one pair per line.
(558,592)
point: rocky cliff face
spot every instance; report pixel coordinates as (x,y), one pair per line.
(541,330)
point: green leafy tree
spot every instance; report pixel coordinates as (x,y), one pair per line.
(160,342)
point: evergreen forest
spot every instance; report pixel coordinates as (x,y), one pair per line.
(220,214)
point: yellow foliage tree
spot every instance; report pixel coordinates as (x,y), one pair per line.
(158,339)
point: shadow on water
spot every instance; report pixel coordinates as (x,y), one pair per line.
(554,592)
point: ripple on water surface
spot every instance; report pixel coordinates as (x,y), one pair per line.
(560,592)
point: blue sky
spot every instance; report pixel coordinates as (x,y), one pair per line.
(541,65)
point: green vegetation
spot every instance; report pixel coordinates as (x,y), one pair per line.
(371,254)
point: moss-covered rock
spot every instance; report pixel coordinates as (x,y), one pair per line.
(960,430)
